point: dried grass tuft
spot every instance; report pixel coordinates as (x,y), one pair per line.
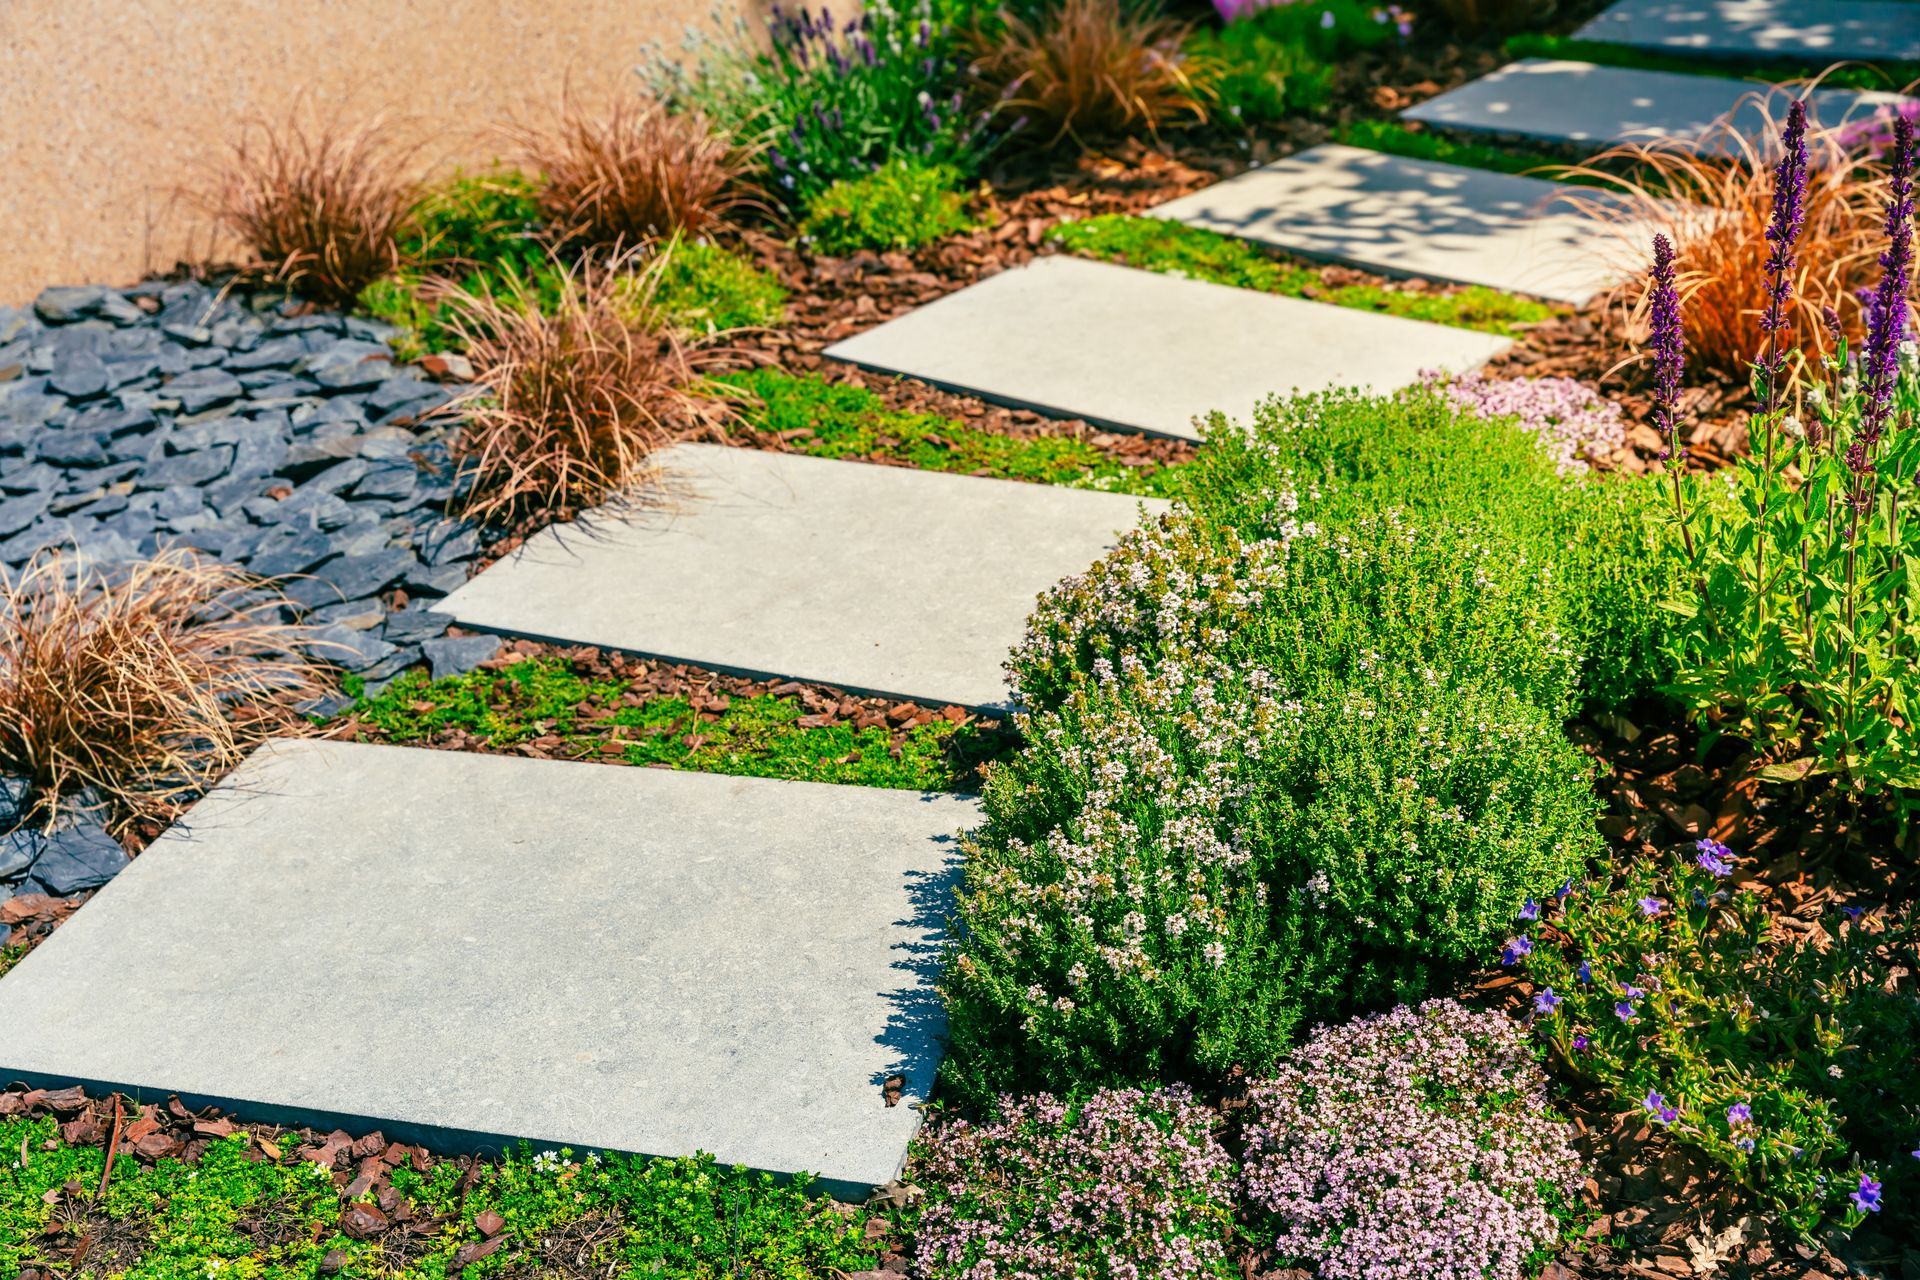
(1091,69)
(143,683)
(324,206)
(629,173)
(578,395)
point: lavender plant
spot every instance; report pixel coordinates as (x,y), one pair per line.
(825,102)
(1786,1060)
(1798,629)
(1412,1145)
(1120,1186)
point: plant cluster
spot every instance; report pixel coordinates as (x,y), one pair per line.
(901,205)
(1273,61)
(1786,1060)
(1352,651)
(1120,1184)
(704,288)
(1411,1145)
(1797,625)
(1575,423)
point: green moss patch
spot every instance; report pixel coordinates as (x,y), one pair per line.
(832,420)
(565,712)
(1160,244)
(901,205)
(1832,75)
(706,289)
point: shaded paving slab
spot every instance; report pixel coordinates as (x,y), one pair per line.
(1865,29)
(885,580)
(1409,217)
(467,949)
(1578,102)
(1141,351)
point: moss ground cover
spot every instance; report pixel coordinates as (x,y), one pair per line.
(576,715)
(9,957)
(1398,139)
(1159,244)
(239,1211)
(835,420)
(1834,75)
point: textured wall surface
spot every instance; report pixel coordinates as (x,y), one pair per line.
(108,107)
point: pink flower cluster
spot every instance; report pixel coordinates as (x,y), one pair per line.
(1124,1186)
(1574,422)
(1412,1145)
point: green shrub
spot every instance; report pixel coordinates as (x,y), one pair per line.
(1786,1060)
(899,206)
(1279,61)
(705,288)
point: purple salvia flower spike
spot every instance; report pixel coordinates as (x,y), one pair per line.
(1783,234)
(1887,312)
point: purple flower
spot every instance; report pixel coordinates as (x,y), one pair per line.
(1546,1002)
(1739,1113)
(1866,1197)
(1327,20)
(1564,892)
(1581,1044)
(1624,1011)
(1584,972)
(1745,1144)
(1515,949)
(1887,312)
(1630,991)
(1669,345)
(1714,858)
(1783,230)
(1652,906)
(1531,911)
(1656,1106)
(1853,913)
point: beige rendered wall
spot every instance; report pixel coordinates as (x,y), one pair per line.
(108,106)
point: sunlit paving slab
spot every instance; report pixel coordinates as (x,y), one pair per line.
(472,949)
(1140,351)
(878,579)
(1410,217)
(1811,29)
(1578,102)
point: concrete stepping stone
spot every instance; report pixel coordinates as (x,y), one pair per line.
(1141,351)
(1868,30)
(1578,102)
(879,579)
(472,950)
(1409,217)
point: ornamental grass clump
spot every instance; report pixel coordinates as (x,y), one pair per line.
(1795,626)
(1575,423)
(143,683)
(1785,1059)
(1120,1185)
(1411,1145)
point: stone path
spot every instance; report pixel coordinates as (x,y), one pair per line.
(1578,102)
(1871,30)
(470,949)
(1141,351)
(876,579)
(1408,217)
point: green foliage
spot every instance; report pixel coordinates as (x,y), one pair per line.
(757,737)
(1882,75)
(236,1213)
(834,420)
(901,205)
(9,957)
(1280,61)
(1798,627)
(1296,749)
(1161,244)
(827,103)
(705,288)
(1691,1001)
(1398,139)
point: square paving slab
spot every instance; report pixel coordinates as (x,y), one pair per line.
(1811,29)
(1578,102)
(877,579)
(470,949)
(1141,351)
(1419,218)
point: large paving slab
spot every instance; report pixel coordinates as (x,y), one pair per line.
(1420,218)
(1865,29)
(1142,351)
(470,949)
(878,579)
(1578,102)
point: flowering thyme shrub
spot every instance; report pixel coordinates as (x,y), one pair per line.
(1789,1061)
(1123,1185)
(827,102)
(1262,780)
(1574,422)
(1412,1145)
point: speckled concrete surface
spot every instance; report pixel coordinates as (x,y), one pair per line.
(107,106)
